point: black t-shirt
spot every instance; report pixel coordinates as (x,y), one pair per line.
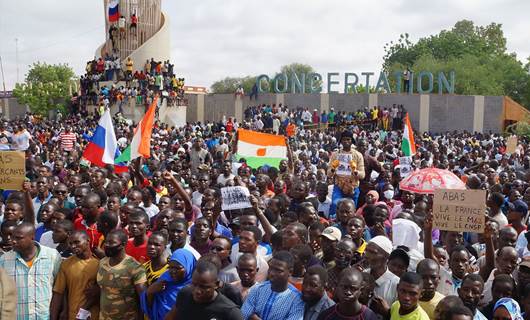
(221,308)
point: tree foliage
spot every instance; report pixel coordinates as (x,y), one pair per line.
(230,84)
(477,54)
(46,87)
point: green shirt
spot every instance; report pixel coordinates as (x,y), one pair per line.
(417,314)
(118,294)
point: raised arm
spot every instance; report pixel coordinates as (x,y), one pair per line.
(490,252)
(29,211)
(170,179)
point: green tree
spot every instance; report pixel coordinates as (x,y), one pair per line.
(230,84)
(477,55)
(46,87)
(298,69)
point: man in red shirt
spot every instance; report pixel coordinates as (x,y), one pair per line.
(137,245)
(90,211)
(67,139)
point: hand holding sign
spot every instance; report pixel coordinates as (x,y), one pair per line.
(459,210)
(235,198)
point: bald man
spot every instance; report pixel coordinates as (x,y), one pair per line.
(34,268)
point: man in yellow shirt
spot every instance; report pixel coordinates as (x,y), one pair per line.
(408,290)
(429,271)
(76,274)
(129,67)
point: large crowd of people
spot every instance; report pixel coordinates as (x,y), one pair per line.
(86,242)
(122,84)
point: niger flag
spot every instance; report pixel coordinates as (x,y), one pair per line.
(260,149)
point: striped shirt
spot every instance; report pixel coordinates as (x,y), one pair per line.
(271,305)
(67,140)
(35,284)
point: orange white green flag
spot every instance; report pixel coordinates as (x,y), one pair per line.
(141,142)
(407,143)
(261,149)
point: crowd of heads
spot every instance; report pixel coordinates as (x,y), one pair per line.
(332,245)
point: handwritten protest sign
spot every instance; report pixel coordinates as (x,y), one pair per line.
(511,144)
(459,210)
(12,170)
(235,198)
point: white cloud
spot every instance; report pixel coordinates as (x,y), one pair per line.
(212,39)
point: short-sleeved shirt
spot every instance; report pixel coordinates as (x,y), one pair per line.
(137,252)
(118,298)
(272,305)
(417,314)
(152,275)
(73,278)
(429,306)
(34,281)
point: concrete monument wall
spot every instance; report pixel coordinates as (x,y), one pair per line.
(428,112)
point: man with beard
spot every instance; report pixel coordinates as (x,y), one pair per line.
(118,265)
(408,291)
(470,292)
(314,292)
(344,253)
(347,294)
(429,271)
(76,274)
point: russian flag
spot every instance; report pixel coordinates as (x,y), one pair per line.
(114,12)
(103,146)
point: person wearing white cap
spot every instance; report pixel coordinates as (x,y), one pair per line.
(377,252)
(329,239)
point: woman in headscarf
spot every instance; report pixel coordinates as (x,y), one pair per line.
(160,297)
(507,308)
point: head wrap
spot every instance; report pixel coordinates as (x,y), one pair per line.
(164,300)
(511,305)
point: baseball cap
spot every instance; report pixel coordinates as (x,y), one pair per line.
(332,233)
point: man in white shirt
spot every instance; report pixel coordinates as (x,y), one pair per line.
(249,239)
(324,202)
(377,252)
(227,173)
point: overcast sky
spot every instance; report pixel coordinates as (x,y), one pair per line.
(212,39)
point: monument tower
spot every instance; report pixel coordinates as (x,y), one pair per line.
(147,38)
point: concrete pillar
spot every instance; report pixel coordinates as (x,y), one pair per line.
(238,111)
(280,98)
(424,112)
(200,108)
(5,108)
(324,102)
(478,114)
(372,100)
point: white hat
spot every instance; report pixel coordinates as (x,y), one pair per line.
(383,243)
(332,233)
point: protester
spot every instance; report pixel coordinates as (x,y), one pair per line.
(309,222)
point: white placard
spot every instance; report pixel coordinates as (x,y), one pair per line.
(235,198)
